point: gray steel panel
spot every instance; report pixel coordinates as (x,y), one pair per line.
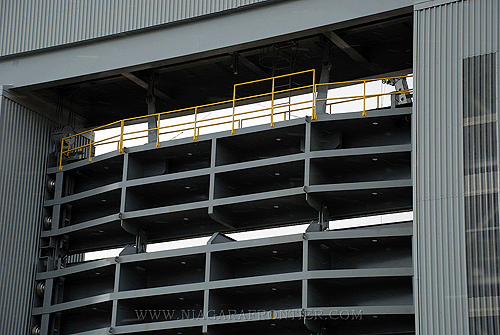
(169,143)
(256,243)
(257,280)
(75,268)
(400,229)
(102,331)
(261,127)
(165,209)
(231,167)
(359,273)
(482,192)
(162,254)
(83,162)
(85,194)
(260,163)
(132,210)
(167,177)
(360,151)
(444,36)
(24,145)
(241,318)
(252,130)
(370,114)
(32,25)
(366,310)
(80,226)
(225,286)
(205,37)
(422,4)
(219,284)
(359,186)
(259,196)
(173,324)
(150,292)
(73,304)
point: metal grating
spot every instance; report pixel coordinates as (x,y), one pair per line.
(481,193)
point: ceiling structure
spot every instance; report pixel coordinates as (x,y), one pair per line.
(362,50)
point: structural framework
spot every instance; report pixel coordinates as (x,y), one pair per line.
(221,116)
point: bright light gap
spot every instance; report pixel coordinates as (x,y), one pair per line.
(375,87)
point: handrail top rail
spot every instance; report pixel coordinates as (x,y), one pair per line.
(273,93)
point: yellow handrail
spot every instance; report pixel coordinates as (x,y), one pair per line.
(234,116)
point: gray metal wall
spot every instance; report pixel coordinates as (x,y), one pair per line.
(24,143)
(190,40)
(481,193)
(27,25)
(445,35)
(287,280)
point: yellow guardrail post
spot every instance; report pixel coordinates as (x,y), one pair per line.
(195,117)
(158,132)
(236,123)
(60,158)
(122,126)
(314,116)
(272,105)
(90,145)
(364,98)
(234,98)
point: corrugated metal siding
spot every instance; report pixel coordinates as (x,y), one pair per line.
(24,144)
(27,25)
(481,193)
(444,36)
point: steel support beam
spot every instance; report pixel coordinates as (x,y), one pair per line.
(110,56)
(151,101)
(323,90)
(144,85)
(251,66)
(338,41)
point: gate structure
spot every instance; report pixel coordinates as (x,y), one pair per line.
(315,168)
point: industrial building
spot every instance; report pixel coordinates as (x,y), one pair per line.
(222,116)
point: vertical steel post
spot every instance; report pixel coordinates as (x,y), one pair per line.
(121,136)
(234,98)
(272,105)
(60,159)
(364,98)
(158,132)
(90,145)
(322,91)
(195,118)
(314,116)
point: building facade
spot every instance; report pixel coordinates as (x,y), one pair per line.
(89,63)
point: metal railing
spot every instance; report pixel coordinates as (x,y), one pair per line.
(234,118)
(365,96)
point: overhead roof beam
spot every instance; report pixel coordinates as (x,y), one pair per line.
(379,24)
(144,85)
(338,41)
(194,63)
(251,66)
